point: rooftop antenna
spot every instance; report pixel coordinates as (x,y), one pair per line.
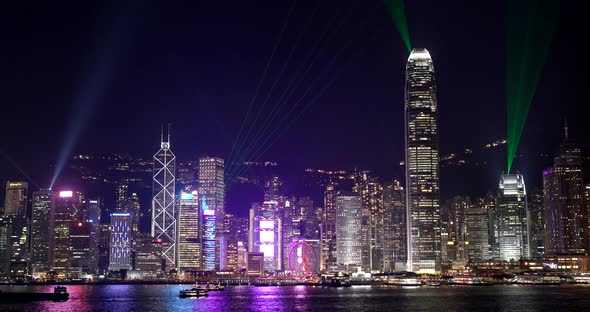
(565,128)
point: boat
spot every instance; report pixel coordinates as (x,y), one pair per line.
(209,287)
(60,293)
(469,280)
(432,283)
(193,293)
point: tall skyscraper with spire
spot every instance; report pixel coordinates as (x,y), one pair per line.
(163,201)
(422,164)
(565,214)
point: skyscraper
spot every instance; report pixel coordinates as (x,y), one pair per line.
(80,259)
(120,242)
(477,233)
(512,216)
(163,202)
(394,222)
(61,218)
(422,164)
(266,234)
(43,204)
(189,233)
(15,202)
(349,216)
(208,235)
(135,210)
(212,198)
(565,214)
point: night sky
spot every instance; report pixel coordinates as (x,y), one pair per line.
(129,68)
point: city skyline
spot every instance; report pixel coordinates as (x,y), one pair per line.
(322,198)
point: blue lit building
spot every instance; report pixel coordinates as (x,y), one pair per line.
(208,236)
(120,242)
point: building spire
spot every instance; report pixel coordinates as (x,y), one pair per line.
(168,133)
(162,135)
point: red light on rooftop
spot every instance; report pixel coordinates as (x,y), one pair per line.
(158,240)
(79,223)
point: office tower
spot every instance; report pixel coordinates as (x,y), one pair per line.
(565,215)
(148,256)
(422,164)
(328,230)
(212,197)
(453,223)
(271,188)
(489,203)
(394,227)
(104,238)
(329,206)
(238,228)
(43,204)
(537,224)
(371,192)
(242,254)
(349,217)
(163,202)
(228,252)
(15,230)
(189,233)
(92,210)
(135,210)
(122,196)
(67,206)
(255,263)
(266,234)
(477,233)
(120,242)
(80,260)
(13,246)
(15,202)
(208,235)
(512,216)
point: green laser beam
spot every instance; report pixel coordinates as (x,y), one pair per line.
(530,28)
(260,82)
(298,78)
(398,15)
(277,79)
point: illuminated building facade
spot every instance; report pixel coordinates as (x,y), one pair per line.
(422,164)
(120,241)
(565,214)
(477,233)
(208,236)
(512,218)
(212,187)
(228,252)
(394,227)
(15,202)
(266,234)
(371,192)
(91,212)
(61,218)
(135,209)
(148,256)
(189,233)
(80,262)
(163,201)
(43,204)
(255,263)
(348,229)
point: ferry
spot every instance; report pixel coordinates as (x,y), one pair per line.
(537,280)
(469,280)
(193,293)
(60,293)
(209,287)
